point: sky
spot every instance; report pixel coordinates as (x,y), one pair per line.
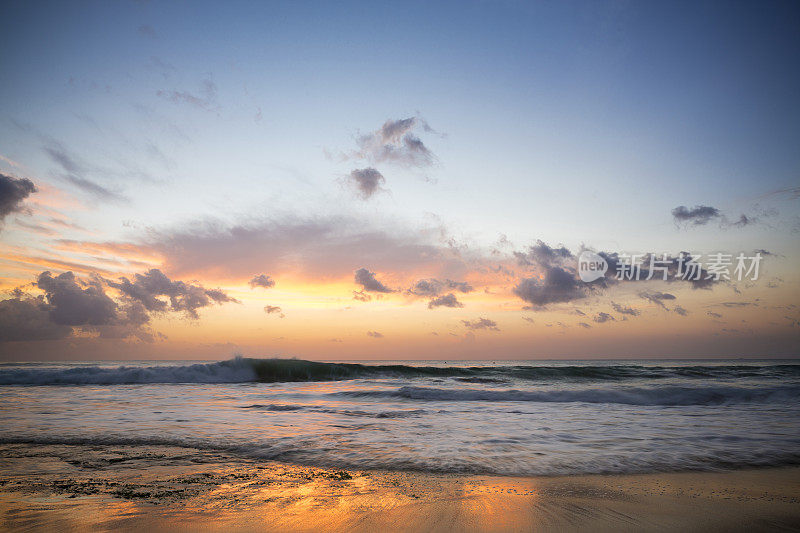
(193,180)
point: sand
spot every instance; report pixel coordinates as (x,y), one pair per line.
(79,488)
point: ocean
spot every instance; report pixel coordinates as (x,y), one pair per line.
(500,417)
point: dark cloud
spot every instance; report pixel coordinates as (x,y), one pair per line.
(367,181)
(375,334)
(657,297)
(395,142)
(683,267)
(369,282)
(603,317)
(621,309)
(13,192)
(262,280)
(434,287)
(27,320)
(702,214)
(558,285)
(480,323)
(584,325)
(543,255)
(713,314)
(426,287)
(698,215)
(149,288)
(73,306)
(680,310)
(448,300)
(74,303)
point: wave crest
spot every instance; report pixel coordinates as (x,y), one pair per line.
(240,369)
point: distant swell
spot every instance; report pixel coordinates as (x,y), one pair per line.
(666,396)
(240,370)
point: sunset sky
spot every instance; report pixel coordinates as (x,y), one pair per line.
(397,181)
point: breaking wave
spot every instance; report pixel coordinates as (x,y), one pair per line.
(240,370)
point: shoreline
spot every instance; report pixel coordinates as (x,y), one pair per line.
(79,487)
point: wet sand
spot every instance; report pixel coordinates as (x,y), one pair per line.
(79,488)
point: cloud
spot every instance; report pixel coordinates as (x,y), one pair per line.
(434,287)
(743,221)
(542,254)
(323,247)
(367,280)
(480,323)
(448,300)
(558,285)
(395,142)
(367,181)
(151,287)
(625,310)
(657,297)
(698,215)
(680,310)
(271,309)
(793,193)
(584,325)
(29,319)
(375,334)
(13,191)
(205,99)
(361,296)
(75,173)
(603,317)
(682,267)
(262,280)
(738,304)
(93,188)
(702,214)
(71,306)
(73,303)
(713,314)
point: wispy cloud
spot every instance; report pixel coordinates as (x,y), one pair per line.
(396,142)
(481,323)
(205,98)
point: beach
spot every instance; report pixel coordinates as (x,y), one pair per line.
(292,445)
(103,487)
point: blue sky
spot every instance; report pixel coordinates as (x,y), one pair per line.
(582,123)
